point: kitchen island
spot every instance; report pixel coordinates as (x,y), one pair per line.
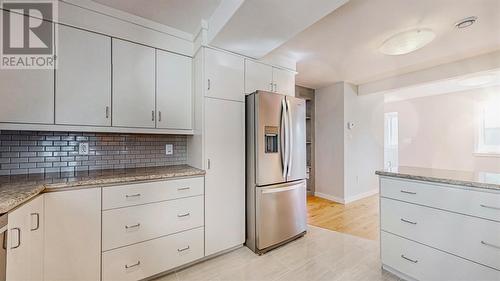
(440,224)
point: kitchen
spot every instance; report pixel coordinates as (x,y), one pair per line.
(177,140)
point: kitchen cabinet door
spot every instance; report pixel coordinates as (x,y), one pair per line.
(83,78)
(27,96)
(25,242)
(225,177)
(73,235)
(224,75)
(258,76)
(133,85)
(284,81)
(174,95)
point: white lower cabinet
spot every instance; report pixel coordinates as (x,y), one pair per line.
(25,242)
(73,235)
(126,226)
(439,232)
(453,233)
(424,263)
(155,256)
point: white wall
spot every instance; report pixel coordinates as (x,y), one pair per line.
(346,160)
(364,144)
(439,131)
(329,158)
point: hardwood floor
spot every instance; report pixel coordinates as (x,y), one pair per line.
(359,218)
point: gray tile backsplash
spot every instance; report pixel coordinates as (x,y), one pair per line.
(30,152)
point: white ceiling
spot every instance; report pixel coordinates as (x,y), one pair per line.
(260,26)
(185,15)
(343,46)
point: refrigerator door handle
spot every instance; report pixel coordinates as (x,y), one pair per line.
(290,139)
(283,139)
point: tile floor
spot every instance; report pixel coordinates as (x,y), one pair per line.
(321,255)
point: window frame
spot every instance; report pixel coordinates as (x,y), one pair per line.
(482,149)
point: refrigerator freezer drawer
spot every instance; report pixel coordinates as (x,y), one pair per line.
(280,213)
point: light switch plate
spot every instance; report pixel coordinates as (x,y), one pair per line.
(169,149)
(83,148)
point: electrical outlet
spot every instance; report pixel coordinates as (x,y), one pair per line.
(83,148)
(169,149)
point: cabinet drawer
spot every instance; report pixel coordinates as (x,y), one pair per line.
(469,237)
(469,202)
(145,259)
(141,193)
(125,226)
(424,263)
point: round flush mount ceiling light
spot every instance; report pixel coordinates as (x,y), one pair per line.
(407,42)
(477,80)
(464,23)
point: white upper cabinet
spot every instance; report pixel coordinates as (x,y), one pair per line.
(83,78)
(174,94)
(133,85)
(27,96)
(25,242)
(224,75)
(284,81)
(258,76)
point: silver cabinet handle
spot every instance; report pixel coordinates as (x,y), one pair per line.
(183,215)
(133,265)
(490,245)
(272,86)
(18,237)
(132,226)
(209,165)
(159,116)
(208,87)
(183,188)
(107,112)
(489,207)
(408,221)
(275,87)
(37,221)
(408,259)
(132,195)
(183,249)
(408,192)
(152,115)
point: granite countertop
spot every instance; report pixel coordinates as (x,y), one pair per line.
(15,190)
(483,180)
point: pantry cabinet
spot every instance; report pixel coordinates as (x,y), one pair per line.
(224,74)
(133,85)
(83,78)
(225,178)
(25,242)
(72,246)
(174,91)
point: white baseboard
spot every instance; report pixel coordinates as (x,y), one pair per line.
(346,200)
(329,197)
(361,196)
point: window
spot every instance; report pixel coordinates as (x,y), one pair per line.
(489,128)
(391,140)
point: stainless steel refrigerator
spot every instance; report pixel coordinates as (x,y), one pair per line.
(275,170)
